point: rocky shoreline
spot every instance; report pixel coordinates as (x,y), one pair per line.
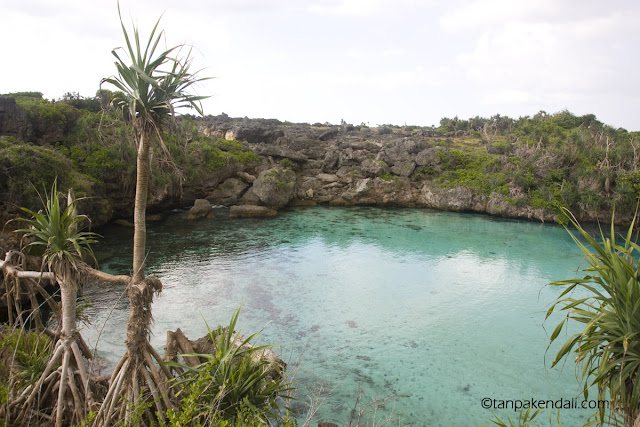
(264,165)
(340,166)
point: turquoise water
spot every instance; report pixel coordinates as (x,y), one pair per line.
(437,309)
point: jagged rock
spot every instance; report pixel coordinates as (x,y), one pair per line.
(282,152)
(331,160)
(275,187)
(428,156)
(455,199)
(246,177)
(228,193)
(403,169)
(348,173)
(326,177)
(201,209)
(250,211)
(328,134)
(250,198)
(346,158)
(374,168)
(254,132)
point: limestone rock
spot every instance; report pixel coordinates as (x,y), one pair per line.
(429,156)
(249,198)
(201,209)
(246,176)
(254,132)
(280,152)
(403,169)
(275,187)
(229,192)
(331,160)
(250,211)
(374,168)
(328,178)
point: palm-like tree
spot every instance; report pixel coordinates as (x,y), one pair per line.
(57,230)
(608,305)
(150,88)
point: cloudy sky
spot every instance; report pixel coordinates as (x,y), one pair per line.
(371,61)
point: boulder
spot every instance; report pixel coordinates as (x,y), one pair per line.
(246,176)
(328,177)
(280,152)
(275,187)
(250,211)
(429,156)
(331,160)
(374,168)
(201,209)
(403,169)
(328,134)
(249,198)
(254,132)
(229,192)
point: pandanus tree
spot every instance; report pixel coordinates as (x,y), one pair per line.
(607,302)
(151,85)
(65,385)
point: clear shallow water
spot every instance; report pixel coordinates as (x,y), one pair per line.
(439,309)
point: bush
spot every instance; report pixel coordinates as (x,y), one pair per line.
(27,167)
(230,382)
(23,358)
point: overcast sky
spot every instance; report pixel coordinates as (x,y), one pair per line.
(372,61)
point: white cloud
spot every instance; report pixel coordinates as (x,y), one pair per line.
(503,97)
(374,61)
(366,8)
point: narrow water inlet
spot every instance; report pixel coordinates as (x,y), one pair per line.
(440,310)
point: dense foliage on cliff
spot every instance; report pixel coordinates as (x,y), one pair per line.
(530,166)
(559,159)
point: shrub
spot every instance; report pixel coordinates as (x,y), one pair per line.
(24,356)
(28,167)
(228,383)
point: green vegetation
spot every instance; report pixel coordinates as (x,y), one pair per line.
(151,85)
(56,230)
(548,161)
(231,384)
(607,302)
(19,161)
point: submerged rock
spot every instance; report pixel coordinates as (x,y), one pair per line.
(250,211)
(201,209)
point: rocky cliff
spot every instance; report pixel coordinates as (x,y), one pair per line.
(344,165)
(261,165)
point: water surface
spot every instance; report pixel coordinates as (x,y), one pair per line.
(437,309)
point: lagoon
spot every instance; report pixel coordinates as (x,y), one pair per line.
(438,309)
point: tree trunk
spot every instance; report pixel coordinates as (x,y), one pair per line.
(140,207)
(68,295)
